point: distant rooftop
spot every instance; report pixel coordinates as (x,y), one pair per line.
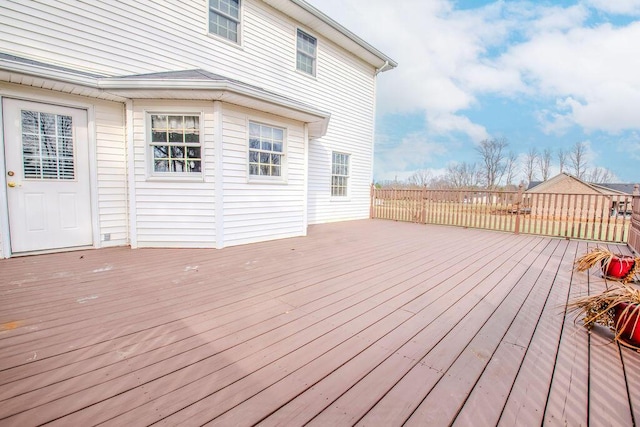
(626,188)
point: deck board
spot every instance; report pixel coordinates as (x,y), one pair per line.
(568,400)
(528,397)
(366,322)
(443,318)
(489,395)
(320,395)
(464,374)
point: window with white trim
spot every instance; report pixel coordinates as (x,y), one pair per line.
(340,174)
(175,144)
(47,146)
(306,53)
(224,18)
(266,150)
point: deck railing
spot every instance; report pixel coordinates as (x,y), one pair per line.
(605,218)
(634,230)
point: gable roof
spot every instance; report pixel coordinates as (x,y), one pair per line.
(321,23)
(544,186)
(541,186)
(533,184)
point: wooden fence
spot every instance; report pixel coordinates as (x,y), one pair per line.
(634,230)
(605,218)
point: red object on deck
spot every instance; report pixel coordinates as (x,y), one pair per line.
(619,267)
(631,331)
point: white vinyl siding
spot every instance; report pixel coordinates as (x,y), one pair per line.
(123,40)
(173,212)
(111,174)
(265,210)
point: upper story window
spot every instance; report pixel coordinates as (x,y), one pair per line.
(306,53)
(175,144)
(339,174)
(224,18)
(266,150)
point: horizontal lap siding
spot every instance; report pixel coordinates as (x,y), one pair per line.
(253,210)
(120,38)
(350,131)
(112,173)
(107,36)
(174,212)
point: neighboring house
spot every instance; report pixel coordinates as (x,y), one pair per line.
(202,123)
(553,196)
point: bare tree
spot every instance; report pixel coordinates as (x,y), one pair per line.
(492,158)
(544,161)
(421,178)
(600,175)
(440,183)
(578,159)
(463,175)
(511,167)
(562,159)
(530,162)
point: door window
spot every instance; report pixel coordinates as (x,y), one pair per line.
(47,146)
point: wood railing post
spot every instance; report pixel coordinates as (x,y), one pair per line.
(634,227)
(518,203)
(372,208)
(423,207)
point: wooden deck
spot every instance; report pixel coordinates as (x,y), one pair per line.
(370,323)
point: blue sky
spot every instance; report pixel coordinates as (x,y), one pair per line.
(543,74)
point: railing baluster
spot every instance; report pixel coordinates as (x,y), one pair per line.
(582,216)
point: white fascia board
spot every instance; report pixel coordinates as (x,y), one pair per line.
(219,91)
(45,73)
(113,85)
(334,31)
(48,73)
(121,89)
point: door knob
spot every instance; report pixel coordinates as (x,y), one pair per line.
(11,184)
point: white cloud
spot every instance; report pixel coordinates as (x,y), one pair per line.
(621,7)
(444,124)
(556,18)
(448,57)
(434,45)
(573,69)
(592,72)
(411,153)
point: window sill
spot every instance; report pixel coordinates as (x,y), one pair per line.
(237,45)
(340,199)
(177,178)
(307,75)
(265,180)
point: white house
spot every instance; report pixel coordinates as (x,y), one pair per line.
(180,123)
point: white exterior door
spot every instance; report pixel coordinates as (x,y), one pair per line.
(47,166)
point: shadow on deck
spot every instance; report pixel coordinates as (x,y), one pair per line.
(367,322)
